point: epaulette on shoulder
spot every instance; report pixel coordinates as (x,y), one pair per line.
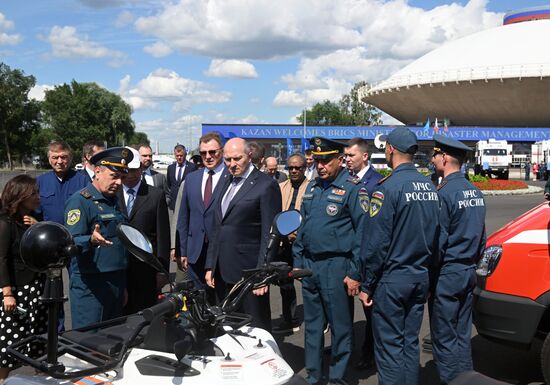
(85,193)
(384,179)
(441,185)
(353,180)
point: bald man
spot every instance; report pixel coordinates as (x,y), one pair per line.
(249,201)
(272,170)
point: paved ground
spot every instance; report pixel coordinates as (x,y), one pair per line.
(510,365)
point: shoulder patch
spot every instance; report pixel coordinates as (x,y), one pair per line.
(73,216)
(384,179)
(85,193)
(441,185)
(364,200)
(353,180)
(375,206)
(378,195)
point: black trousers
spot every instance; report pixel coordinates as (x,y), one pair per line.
(256,306)
(288,292)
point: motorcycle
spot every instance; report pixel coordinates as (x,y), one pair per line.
(181,340)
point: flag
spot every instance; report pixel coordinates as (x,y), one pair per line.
(436,127)
(427,125)
(446,128)
(305,145)
(289,147)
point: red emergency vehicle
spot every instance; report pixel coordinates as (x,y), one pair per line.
(512,297)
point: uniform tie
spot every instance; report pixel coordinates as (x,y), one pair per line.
(131,199)
(229,195)
(208,188)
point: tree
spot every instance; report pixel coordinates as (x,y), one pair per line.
(349,111)
(139,138)
(80,112)
(19,115)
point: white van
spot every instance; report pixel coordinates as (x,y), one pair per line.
(378,161)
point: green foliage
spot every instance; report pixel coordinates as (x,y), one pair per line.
(478,178)
(349,111)
(385,172)
(139,138)
(80,112)
(19,115)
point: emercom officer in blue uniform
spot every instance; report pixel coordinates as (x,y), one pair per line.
(333,209)
(399,243)
(98,281)
(461,241)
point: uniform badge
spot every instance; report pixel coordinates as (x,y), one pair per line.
(337,191)
(318,141)
(73,216)
(124,153)
(378,195)
(364,199)
(375,206)
(332,209)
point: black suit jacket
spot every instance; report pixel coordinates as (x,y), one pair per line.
(150,215)
(241,236)
(172,185)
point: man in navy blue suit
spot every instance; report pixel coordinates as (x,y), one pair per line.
(176,173)
(196,225)
(245,208)
(357,163)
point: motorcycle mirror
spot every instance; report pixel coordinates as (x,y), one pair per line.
(287,222)
(138,244)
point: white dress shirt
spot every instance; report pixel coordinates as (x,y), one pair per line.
(241,182)
(215,178)
(125,191)
(184,164)
(148,177)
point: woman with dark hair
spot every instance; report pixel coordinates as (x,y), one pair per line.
(21,314)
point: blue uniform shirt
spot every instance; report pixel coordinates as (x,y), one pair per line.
(462,220)
(400,234)
(82,211)
(54,193)
(333,216)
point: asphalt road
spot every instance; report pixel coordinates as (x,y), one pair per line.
(506,364)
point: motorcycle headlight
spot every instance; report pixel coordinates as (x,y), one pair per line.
(489,260)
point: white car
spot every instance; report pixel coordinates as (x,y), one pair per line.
(79,166)
(157,164)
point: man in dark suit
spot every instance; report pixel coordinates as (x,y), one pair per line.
(176,174)
(196,224)
(144,208)
(357,163)
(248,202)
(152,177)
(271,169)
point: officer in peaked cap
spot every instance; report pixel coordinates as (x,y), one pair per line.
(399,241)
(114,158)
(98,278)
(461,241)
(333,207)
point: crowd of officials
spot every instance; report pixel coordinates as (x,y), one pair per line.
(395,243)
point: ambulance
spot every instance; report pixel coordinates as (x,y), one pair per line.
(512,296)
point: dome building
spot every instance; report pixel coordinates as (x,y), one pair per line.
(497,77)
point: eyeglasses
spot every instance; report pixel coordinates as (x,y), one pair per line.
(297,168)
(209,152)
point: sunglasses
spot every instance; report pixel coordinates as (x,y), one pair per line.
(209,152)
(297,168)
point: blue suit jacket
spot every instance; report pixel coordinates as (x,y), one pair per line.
(196,221)
(370,179)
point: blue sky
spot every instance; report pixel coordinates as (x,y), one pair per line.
(181,63)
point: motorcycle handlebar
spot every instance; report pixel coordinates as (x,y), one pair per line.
(169,306)
(299,274)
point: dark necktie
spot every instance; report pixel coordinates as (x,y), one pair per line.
(180,169)
(229,195)
(131,199)
(208,188)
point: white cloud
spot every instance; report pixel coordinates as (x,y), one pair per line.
(38,92)
(124,18)
(238,69)
(247,30)
(66,43)
(186,130)
(249,119)
(5,37)
(167,86)
(158,49)
(289,99)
